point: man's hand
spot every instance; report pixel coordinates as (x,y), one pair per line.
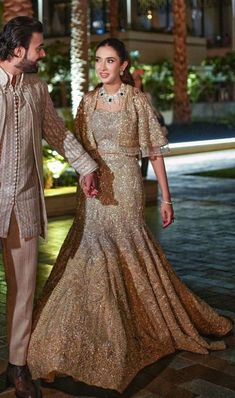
(89,184)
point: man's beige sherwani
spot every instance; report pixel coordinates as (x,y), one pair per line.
(26,116)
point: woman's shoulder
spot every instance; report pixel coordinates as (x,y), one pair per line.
(90,94)
(131,90)
(89,97)
(139,97)
(136,93)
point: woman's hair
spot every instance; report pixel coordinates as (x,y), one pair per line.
(120,49)
(17,33)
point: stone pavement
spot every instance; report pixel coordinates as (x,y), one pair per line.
(200,245)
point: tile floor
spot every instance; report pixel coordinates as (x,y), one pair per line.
(200,245)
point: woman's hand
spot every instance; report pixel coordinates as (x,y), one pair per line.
(167,214)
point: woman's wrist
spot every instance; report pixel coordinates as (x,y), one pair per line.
(167,202)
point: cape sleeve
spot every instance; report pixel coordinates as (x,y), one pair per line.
(152,138)
(83,130)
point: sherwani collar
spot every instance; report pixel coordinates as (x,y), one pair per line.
(5,79)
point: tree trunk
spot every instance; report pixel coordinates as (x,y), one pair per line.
(15,8)
(79,51)
(114,17)
(182,111)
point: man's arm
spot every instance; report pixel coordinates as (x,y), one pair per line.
(56,134)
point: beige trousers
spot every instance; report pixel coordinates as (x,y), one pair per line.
(20,262)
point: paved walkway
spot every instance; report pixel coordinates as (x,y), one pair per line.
(201,247)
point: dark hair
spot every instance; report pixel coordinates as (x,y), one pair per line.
(120,49)
(17,33)
(161,119)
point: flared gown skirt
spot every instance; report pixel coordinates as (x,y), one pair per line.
(113,303)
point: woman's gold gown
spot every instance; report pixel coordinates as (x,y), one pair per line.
(116,305)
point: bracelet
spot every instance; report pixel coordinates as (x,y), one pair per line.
(166,202)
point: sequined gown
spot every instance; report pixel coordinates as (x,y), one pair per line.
(117,304)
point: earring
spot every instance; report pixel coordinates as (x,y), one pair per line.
(121,72)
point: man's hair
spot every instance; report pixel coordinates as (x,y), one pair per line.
(17,33)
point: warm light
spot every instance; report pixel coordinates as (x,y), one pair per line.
(56,167)
(128,6)
(40,10)
(149,14)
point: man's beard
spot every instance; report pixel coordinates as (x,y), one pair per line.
(27,66)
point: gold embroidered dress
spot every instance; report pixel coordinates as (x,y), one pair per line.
(113,303)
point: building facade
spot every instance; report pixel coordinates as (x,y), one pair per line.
(148,31)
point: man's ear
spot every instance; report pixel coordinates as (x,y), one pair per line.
(19,52)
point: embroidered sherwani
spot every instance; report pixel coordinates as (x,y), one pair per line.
(26,116)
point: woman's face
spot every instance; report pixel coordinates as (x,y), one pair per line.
(108,65)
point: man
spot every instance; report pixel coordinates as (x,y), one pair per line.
(27,115)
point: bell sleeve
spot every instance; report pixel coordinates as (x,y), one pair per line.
(152,140)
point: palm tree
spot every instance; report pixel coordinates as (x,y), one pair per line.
(113,17)
(14,8)
(182,112)
(79,51)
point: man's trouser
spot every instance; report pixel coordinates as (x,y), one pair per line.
(20,262)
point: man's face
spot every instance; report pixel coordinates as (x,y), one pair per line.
(35,52)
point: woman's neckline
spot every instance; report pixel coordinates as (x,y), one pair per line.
(106,110)
(112,111)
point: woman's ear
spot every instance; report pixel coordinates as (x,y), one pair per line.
(124,65)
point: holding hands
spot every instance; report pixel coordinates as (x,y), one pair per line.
(89,185)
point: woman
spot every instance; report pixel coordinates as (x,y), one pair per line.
(113,304)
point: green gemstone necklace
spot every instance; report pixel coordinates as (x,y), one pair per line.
(109,98)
